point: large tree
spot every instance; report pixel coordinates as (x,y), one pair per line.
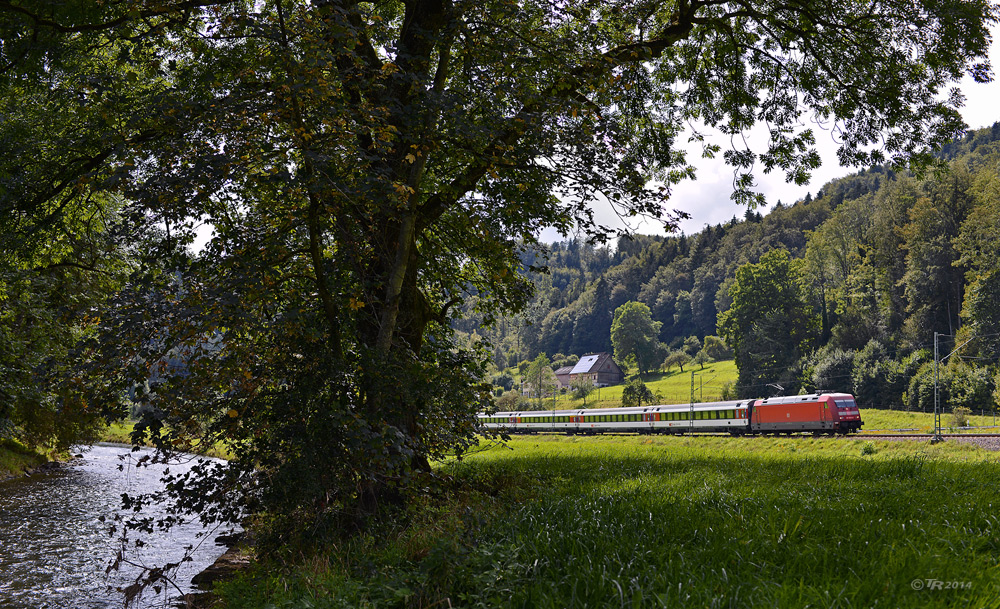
(770,324)
(633,335)
(365,166)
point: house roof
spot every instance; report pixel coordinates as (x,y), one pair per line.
(564,370)
(589,362)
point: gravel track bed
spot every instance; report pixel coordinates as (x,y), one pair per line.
(984,443)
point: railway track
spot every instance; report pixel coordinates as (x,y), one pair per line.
(922,435)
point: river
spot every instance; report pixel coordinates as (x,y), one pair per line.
(54,541)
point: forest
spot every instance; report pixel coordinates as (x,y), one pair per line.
(881,259)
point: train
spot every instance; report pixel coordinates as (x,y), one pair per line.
(819,414)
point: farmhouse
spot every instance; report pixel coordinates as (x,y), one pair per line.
(598,368)
(562,374)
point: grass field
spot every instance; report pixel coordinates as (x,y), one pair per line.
(673,386)
(922,422)
(627,521)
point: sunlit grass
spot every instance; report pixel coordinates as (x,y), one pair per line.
(632,521)
(674,387)
(120,432)
(919,422)
(15,458)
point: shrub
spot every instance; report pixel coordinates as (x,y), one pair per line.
(504,381)
(960,416)
(636,393)
(510,400)
(970,387)
(728,392)
(692,345)
(832,369)
(717,349)
(879,381)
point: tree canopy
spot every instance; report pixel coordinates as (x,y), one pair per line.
(770,324)
(365,168)
(633,334)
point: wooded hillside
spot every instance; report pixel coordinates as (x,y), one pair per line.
(886,259)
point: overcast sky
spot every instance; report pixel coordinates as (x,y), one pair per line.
(707,197)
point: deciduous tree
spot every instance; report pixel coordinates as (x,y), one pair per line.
(770,324)
(633,335)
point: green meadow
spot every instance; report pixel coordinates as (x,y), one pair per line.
(921,422)
(651,522)
(673,387)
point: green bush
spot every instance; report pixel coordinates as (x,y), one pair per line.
(832,369)
(635,394)
(960,416)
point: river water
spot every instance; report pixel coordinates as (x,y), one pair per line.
(55,548)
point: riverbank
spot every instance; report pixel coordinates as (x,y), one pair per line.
(673,521)
(17,460)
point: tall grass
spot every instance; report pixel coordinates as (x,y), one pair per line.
(676,522)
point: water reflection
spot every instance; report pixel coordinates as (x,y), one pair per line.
(54,548)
